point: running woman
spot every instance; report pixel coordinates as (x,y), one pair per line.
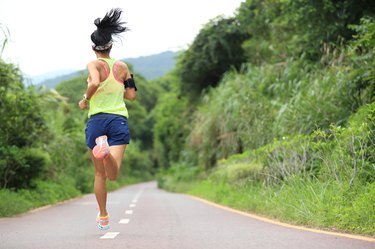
(107,133)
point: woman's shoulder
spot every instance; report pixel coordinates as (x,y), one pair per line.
(122,64)
(121,67)
(93,63)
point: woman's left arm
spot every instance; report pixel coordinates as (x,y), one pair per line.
(130,93)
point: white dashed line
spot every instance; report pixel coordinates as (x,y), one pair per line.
(127,212)
(110,235)
(136,197)
(124,221)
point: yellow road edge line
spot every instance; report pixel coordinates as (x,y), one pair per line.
(351,236)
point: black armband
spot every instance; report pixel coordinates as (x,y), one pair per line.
(130,83)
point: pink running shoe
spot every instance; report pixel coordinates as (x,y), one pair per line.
(103,222)
(101,149)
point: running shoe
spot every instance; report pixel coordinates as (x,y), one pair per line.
(101,149)
(103,222)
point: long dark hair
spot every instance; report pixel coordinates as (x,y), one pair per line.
(107,27)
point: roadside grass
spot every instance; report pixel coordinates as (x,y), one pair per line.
(324,205)
(13,203)
(48,193)
(44,193)
(301,200)
(323,180)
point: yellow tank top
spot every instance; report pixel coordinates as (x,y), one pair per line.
(109,97)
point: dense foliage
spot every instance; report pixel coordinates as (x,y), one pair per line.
(297,79)
(297,117)
(215,50)
(43,154)
(23,129)
(277,99)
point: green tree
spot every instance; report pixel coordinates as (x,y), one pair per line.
(170,129)
(362,55)
(216,49)
(23,130)
(320,22)
(268,32)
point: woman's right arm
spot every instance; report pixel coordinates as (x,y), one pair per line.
(94,79)
(93,84)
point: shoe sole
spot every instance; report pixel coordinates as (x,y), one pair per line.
(103,227)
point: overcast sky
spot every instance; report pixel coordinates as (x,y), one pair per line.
(55,35)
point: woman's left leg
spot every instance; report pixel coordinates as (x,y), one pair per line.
(108,167)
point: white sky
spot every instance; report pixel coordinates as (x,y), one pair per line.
(49,35)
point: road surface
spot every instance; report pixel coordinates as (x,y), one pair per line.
(142,216)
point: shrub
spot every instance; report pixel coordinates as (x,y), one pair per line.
(233,117)
(12,202)
(347,152)
(286,158)
(20,166)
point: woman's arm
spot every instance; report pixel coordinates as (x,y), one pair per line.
(93,84)
(130,93)
(94,79)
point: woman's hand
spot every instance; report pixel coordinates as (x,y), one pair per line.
(83,104)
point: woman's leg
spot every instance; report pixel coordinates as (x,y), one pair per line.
(108,167)
(112,162)
(100,187)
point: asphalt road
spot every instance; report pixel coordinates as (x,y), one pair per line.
(142,216)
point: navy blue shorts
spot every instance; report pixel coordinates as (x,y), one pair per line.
(115,127)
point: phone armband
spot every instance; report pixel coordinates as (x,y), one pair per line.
(130,83)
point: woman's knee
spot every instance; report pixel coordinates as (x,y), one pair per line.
(100,174)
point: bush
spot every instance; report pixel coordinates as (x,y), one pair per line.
(171,117)
(47,192)
(44,193)
(12,203)
(233,118)
(178,178)
(319,101)
(347,152)
(136,162)
(286,158)
(20,166)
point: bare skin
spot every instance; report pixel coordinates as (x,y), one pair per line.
(109,167)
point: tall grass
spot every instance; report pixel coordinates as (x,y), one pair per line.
(250,109)
(310,202)
(325,179)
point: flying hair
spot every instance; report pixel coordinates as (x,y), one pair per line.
(107,27)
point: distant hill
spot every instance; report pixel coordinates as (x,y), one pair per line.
(54,74)
(153,66)
(51,82)
(150,67)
